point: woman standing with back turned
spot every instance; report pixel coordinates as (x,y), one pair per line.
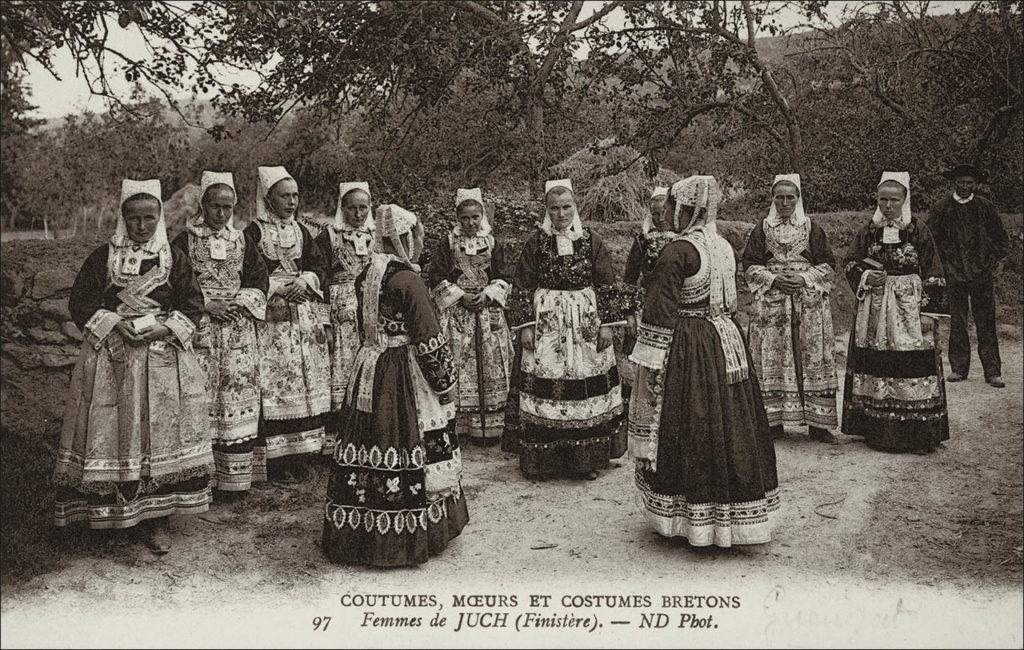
(705,461)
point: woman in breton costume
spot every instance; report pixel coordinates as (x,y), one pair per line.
(467,273)
(135,443)
(294,363)
(395,496)
(233,278)
(894,394)
(705,462)
(347,244)
(564,301)
(790,269)
(654,234)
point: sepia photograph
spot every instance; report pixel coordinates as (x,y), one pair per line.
(488,323)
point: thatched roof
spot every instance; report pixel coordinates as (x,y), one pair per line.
(613,181)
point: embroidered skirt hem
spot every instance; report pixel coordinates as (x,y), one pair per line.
(895,413)
(467,424)
(546,451)
(113,509)
(817,409)
(354,535)
(234,466)
(708,524)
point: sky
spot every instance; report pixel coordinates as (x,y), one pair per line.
(69,94)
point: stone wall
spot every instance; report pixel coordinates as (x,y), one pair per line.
(35,279)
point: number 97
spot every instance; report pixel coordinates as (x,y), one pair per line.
(320,623)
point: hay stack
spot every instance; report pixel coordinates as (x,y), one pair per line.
(182,206)
(605,193)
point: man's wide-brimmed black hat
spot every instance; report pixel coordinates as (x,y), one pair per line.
(964,169)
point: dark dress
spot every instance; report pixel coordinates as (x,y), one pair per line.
(346,253)
(294,357)
(698,430)
(791,337)
(569,415)
(229,352)
(135,442)
(894,393)
(643,255)
(395,495)
(483,383)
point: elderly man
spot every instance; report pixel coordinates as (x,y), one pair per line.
(971,243)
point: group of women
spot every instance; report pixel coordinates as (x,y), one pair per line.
(221,358)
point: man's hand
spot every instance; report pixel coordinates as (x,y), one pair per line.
(219,310)
(526,337)
(605,337)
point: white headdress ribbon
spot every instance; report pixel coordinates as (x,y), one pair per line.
(575,229)
(339,217)
(130,188)
(462,195)
(206,181)
(903,178)
(799,217)
(269,176)
(648,222)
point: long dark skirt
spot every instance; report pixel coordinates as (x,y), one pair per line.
(512,434)
(715,480)
(895,399)
(378,509)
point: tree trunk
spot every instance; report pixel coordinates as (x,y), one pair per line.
(796,144)
(993,133)
(535,127)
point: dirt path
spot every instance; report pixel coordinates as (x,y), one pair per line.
(858,526)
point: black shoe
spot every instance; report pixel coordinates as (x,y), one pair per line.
(996,380)
(955,376)
(822,435)
(290,472)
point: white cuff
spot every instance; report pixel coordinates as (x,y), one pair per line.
(497,291)
(819,278)
(312,281)
(182,328)
(447,295)
(101,324)
(862,287)
(652,343)
(255,301)
(759,278)
(276,283)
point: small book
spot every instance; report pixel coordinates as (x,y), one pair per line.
(144,323)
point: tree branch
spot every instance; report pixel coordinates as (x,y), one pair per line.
(596,16)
